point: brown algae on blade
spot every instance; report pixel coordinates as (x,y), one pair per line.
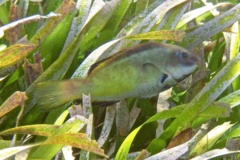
(15,100)
(14,54)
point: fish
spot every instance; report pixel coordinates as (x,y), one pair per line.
(141,71)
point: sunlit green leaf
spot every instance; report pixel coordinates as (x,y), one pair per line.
(41,130)
(217,153)
(233,99)
(68,127)
(8,152)
(212,27)
(92,30)
(66,7)
(124,149)
(172,18)
(78,140)
(208,140)
(231,134)
(196,13)
(175,35)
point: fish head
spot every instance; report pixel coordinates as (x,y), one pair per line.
(180,63)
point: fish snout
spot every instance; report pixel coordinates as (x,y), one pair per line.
(193,59)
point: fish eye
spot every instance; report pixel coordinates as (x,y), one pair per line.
(184,55)
(187,58)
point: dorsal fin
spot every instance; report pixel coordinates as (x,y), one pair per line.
(126,52)
(97,64)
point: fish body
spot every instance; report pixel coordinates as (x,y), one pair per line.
(141,71)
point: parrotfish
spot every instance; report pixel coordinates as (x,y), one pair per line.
(141,71)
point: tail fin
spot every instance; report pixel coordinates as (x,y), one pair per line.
(52,94)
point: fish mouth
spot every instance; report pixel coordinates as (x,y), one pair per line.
(181,78)
(178,79)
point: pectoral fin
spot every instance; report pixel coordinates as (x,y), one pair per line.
(149,68)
